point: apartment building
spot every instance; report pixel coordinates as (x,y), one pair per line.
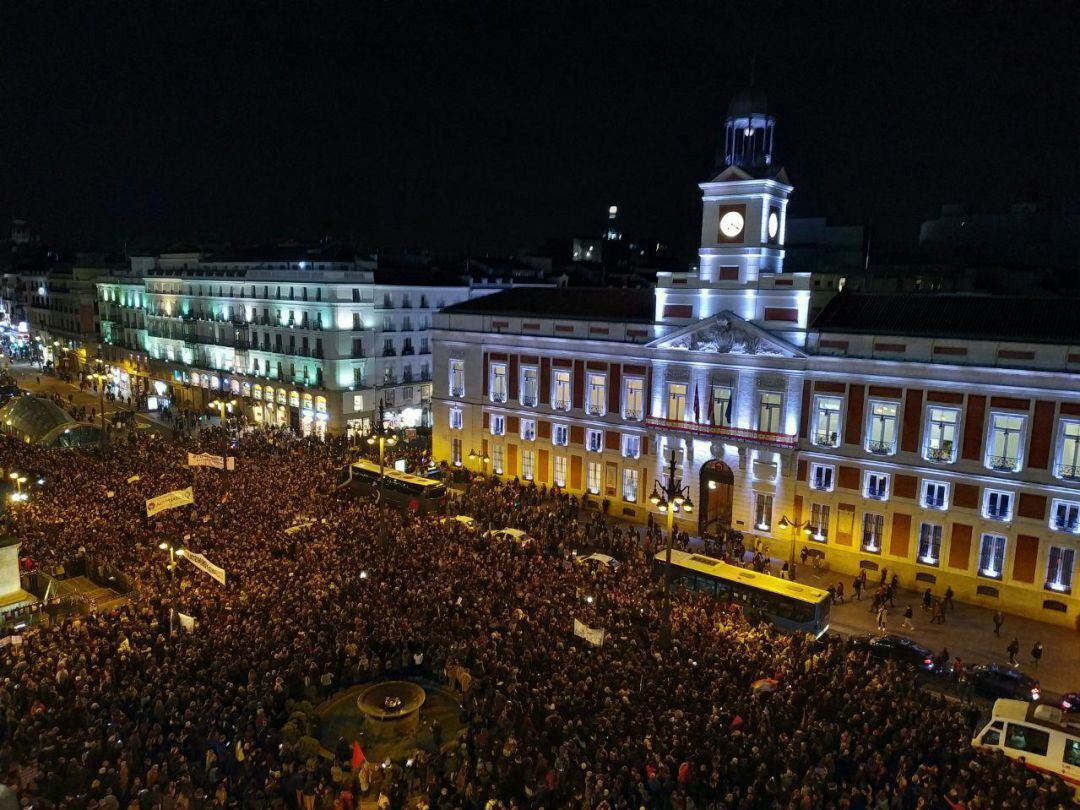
(935,436)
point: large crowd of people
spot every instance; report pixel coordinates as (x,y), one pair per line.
(129,709)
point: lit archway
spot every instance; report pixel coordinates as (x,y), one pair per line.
(715,498)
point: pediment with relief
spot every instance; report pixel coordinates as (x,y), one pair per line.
(727,333)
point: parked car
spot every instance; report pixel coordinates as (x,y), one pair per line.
(513,535)
(1070,702)
(897,648)
(463,520)
(1004,681)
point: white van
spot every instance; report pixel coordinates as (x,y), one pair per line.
(1039,735)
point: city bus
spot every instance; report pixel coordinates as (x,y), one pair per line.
(399,489)
(1038,735)
(790,606)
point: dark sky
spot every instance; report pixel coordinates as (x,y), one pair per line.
(487,125)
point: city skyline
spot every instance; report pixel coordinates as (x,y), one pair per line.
(497,126)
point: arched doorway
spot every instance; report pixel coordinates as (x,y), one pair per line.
(717,490)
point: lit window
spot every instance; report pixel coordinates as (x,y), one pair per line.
(457,418)
(498,382)
(631,445)
(941,424)
(498,425)
(827,421)
(881,429)
(594,441)
(358,405)
(819,522)
(721,405)
(457,378)
(769,412)
(634,399)
(676,401)
(821,477)
(929,543)
(1003,445)
(1065,516)
(560,435)
(455,452)
(527,464)
(630,484)
(497,458)
(763,505)
(1068,463)
(560,390)
(560,471)
(597,389)
(528,386)
(876,486)
(935,495)
(592,481)
(1059,569)
(528,429)
(991,556)
(997,505)
(872,532)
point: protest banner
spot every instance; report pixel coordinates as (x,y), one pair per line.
(170,500)
(204,565)
(594,636)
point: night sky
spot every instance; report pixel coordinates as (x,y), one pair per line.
(483,126)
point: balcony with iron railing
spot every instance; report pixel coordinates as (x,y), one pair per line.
(876,493)
(879,448)
(723,432)
(997,513)
(940,455)
(826,439)
(1003,463)
(934,503)
(1070,472)
(528,400)
(1066,524)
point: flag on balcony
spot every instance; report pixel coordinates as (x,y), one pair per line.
(697,406)
(727,412)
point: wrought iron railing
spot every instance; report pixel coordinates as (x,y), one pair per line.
(723,432)
(1069,472)
(879,448)
(939,454)
(824,439)
(1003,463)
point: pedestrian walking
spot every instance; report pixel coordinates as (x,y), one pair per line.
(840,592)
(881,615)
(907,623)
(948,603)
(927,597)
(857,587)
(999,619)
(1012,650)
(1036,653)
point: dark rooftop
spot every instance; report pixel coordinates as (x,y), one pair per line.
(419,277)
(976,317)
(570,303)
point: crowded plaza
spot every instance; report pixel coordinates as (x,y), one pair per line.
(325,590)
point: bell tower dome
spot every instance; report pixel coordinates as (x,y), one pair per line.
(748,131)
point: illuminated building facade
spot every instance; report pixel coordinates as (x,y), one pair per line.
(937,437)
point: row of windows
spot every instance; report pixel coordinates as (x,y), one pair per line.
(630,479)
(1003,449)
(629,443)
(991,562)
(996,504)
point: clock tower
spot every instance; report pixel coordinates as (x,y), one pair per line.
(743,224)
(745,204)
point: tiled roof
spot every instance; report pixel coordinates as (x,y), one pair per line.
(571,303)
(975,317)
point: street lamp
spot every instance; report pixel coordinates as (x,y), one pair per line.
(174,552)
(482,460)
(384,438)
(220,405)
(670,497)
(101,378)
(805,527)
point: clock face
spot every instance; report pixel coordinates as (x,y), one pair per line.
(731,224)
(774,224)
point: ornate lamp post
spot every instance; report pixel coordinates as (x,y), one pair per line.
(174,552)
(482,460)
(384,438)
(796,527)
(100,377)
(670,497)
